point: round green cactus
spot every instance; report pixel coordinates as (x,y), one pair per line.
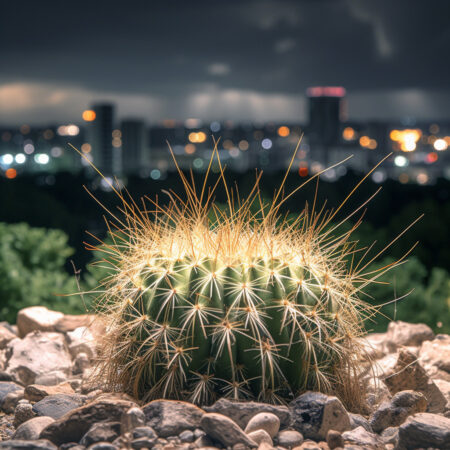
(207,302)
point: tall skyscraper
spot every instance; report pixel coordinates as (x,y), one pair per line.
(134,145)
(325,115)
(100,137)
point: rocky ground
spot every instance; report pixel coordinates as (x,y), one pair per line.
(46,402)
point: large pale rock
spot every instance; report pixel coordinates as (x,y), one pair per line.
(131,419)
(264,421)
(37,354)
(143,437)
(424,430)
(435,356)
(289,439)
(410,375)
(171,417)
(72,322)
(407,334)
(374,346)
(224,430)
(11,400)
(444,387)
(5,336)
(395,412)
(37,318)
(376,391)
(73,426)
(313,414)
(58,405)
(81,340)
(31,429)
(36,392)
(366,439)
(242,412)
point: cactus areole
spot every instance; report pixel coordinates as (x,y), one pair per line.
(238,301)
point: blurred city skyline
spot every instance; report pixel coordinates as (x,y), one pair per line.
(240,61)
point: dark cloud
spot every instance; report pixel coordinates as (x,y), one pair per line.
(172,51)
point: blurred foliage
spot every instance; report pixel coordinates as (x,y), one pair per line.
(32,271)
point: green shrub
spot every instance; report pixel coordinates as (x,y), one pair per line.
(32,270)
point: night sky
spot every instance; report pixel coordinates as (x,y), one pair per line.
(240,60)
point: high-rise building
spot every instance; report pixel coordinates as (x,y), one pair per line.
(325,115)
(100,137)
(134,146)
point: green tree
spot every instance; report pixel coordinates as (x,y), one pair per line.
(32,270)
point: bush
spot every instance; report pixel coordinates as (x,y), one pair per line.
(32,270)
(428,300)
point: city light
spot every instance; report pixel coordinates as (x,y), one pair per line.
(266,144)
(155,174)
(68,130)
(364,141)
(86,148)
(349,134)
(243,145)
(400,161)
(41,158)
(407,139)
(56,152)
(197,138)
(283,131)
(89,115)
(440,145)
(190,149)
(422,178)
(7,159)
(215,127)
(303,171)
(28,149)
(20,158)
(431,158)
(11,174)
(326,91)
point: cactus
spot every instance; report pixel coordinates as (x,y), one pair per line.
(236,302)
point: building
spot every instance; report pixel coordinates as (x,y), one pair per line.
(325,115)
(134,146)
(100,137)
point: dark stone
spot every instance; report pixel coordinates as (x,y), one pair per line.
(75,424)
(103,446)
(72,446)
(58,405)
(5,376)
(101,432)
(5,388)
(314,414)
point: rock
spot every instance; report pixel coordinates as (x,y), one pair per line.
(81,340)
(52,378)
(171,417)
(81,363)
(187,436)
(72,426)
(309,445)
(204,441)
(289,439)
(356,420)
(335,439)
(57,405)
(7,387)
(435,355)
(37,318)
(5,336)
(264,421)
(260,436)
(407,334)
(101,432)
(131,419)
(376,392)
(362,437)
(242,412)
(41,444)
(390,435)
(22,413)
(5,376)
(103,446)
(145,432)
(31,429)
(313,414)
(444,387)
(72,446)
(374,346)
(224,430)
(395,412)
(424,430)
(72,322)
(37,354)
(410,375)
(11,400)
(36,392)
